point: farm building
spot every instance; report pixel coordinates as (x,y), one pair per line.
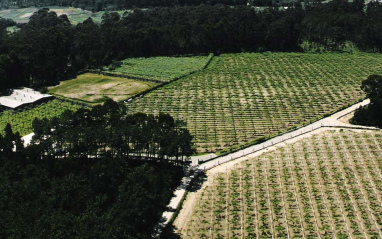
(23,97)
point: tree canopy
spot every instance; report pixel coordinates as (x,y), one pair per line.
(107,131)
(371,114)
(96,173)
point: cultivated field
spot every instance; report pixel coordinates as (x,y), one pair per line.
(240,98)
(95,88)
(75,15)
(162,69)
(326,186)
(21,120)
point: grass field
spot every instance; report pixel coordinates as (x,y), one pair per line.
(240,98)
(95,88)
(162,69)
(325,186)
(21,121)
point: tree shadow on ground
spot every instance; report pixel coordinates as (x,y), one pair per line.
(198,181)
(170,231)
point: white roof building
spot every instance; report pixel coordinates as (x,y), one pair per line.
(21,97)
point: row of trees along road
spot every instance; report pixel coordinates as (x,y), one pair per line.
(107,131)
(49,49)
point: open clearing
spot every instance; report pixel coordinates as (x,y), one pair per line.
(241,98)
(162,69)
(96,88)
(328,185)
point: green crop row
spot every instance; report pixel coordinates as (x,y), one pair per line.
(240,98)
(162,69)
(324,186)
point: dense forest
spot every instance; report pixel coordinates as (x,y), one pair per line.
(80,179)
(100,5)
(49,49)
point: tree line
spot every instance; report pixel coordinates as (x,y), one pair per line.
(107,131)
(100,5)
(49,49)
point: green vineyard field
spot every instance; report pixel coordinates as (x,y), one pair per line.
(241,98)
(21,120)
(163,69)
(325,186)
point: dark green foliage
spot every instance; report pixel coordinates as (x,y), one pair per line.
(80,195)
(4,23)
(74,198)
(371,114)
(121,4)
(38,54)
(332,24)
(107,131)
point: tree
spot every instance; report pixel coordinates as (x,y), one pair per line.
(45,44)
(88,45)
(372,113)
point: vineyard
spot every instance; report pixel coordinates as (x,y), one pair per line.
(163,69)
(21,121)
(241,98)
(325,186)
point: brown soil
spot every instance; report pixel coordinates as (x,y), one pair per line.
(345,119)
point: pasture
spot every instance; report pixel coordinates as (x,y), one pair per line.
(163,69)
(94,88)
(241,98)
(21,120)
(326,186)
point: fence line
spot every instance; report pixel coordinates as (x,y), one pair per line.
(277,140)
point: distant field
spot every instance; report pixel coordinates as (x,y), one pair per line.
(160,68)
(21,121)
(325,186)
(75,15)
(95,88)
(240,98)
(12,29)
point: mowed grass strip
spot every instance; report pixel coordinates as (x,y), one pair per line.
(96,88)
(240,98)
(160,68)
